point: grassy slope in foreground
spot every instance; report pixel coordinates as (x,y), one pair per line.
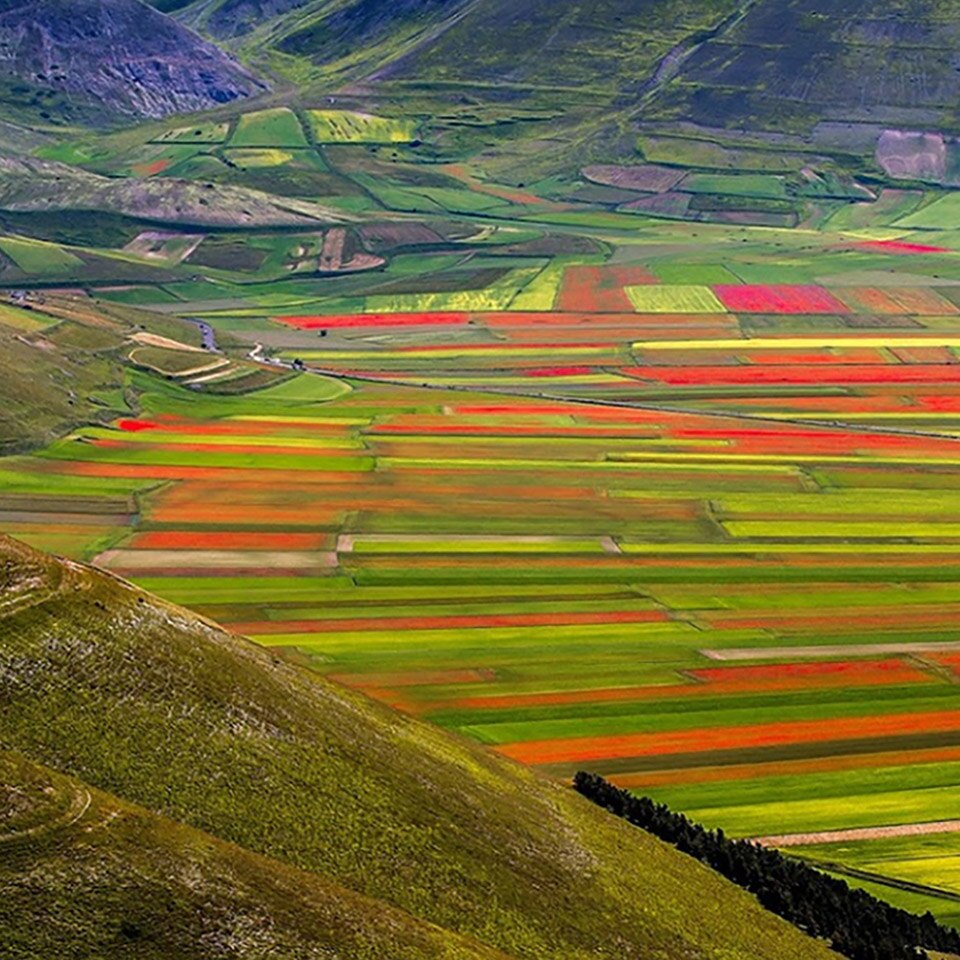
(142,699)
(136,884)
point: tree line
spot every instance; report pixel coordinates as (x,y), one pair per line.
(853,922)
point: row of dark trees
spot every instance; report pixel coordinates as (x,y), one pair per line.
(855,924)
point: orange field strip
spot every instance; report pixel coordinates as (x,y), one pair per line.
(256,449)
(334,321)
(577,749)
(210,512)
(238,428)
(799,375)
(229,540)
(850,620)
(222,474)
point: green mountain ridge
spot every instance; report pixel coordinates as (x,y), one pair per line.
(790,64)
(142,700)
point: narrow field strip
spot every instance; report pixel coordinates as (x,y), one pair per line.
(860,833)
(830,650)
(859,753)
(479,621)
(707,683)
(139,560)
(818,341)
(664,743)
(800,768)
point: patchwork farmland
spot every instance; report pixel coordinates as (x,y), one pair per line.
(674,502)
(749,617)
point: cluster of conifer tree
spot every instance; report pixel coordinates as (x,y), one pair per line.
(855,924)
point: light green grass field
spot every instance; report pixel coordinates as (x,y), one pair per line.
(674,299)
(343,126)
(37,257)
(275,128)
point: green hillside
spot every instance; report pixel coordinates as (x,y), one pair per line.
(66,358)
(789,64)
(145,701)
(132,882)
(605,46)
(760,74)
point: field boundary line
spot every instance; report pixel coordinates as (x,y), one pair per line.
(880,879)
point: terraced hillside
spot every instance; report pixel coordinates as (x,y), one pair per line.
(139,698)
(65,359)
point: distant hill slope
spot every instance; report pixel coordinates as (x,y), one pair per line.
(365,25)
(616,67)
(611,46)
(335,36)
(28,185)
(90,57)
(774,64)
(225,19)
(144,700)
(791,63)
(62,358)
(607,45)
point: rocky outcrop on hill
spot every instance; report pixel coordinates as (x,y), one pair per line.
(120,55)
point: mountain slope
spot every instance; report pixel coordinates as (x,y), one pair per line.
(79,59)
(609,46)
(804,68)
(227,19)
(62,359)
(791,63)
(367,26)
(144,700)
(606,45)
(75,860)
